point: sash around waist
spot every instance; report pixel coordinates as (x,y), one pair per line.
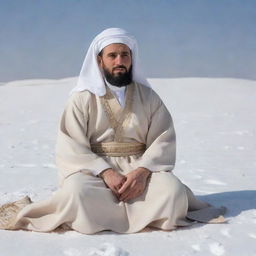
(118,148)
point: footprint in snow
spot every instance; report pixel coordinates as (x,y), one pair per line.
(241,133)
(72,252)
(225,232)
(25,165)
(196,247)
(49,165)
(217,249)
(107,249)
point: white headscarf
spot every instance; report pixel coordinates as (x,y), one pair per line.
(90,77)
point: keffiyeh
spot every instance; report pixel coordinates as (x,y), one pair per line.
(90,77)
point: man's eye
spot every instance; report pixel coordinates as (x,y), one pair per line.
(112,55)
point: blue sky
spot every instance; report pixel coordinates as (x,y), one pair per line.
(177,38)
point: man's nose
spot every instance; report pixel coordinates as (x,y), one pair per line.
(119,60)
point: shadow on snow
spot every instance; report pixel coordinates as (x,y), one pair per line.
(235,201)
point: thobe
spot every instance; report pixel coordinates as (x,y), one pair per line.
(83,202)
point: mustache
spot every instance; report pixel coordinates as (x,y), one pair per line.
(120,66)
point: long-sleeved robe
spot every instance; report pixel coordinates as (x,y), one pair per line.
(83,202)
(85,122)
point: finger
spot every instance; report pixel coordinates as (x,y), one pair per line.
(123,195)
(121,183)
(126,198)
(130,196)
(126,193)
(130,190)
(129,193)
(133,194)
(114,190)
(134,184)
(118,186)
(129,184)
(124,186)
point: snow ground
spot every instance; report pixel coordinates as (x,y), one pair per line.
(215,121)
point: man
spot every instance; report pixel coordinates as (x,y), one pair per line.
(115,152)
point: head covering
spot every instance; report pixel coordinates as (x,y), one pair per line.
(90,77)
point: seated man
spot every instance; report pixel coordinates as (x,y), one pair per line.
(115,152)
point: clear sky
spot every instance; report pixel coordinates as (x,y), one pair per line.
(177,38)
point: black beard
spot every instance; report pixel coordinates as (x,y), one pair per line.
(120,79)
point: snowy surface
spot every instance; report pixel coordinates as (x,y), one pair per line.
(215,121)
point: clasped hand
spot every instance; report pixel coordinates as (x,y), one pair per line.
(129,186)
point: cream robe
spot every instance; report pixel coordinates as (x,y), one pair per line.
(85,122)
(83,202)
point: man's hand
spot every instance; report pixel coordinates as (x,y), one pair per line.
(134,185)
(113,180)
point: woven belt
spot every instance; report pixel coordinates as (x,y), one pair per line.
(118,148)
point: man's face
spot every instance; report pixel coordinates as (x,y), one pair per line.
(116,64)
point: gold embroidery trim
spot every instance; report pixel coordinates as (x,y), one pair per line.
(118,125)
(118,148)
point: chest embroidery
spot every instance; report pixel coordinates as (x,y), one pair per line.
(118,119)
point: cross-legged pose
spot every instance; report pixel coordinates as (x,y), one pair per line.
(115,153)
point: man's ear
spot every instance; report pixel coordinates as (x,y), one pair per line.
(99,60)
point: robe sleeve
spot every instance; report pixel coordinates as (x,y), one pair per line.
(73,152)
(160,154)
